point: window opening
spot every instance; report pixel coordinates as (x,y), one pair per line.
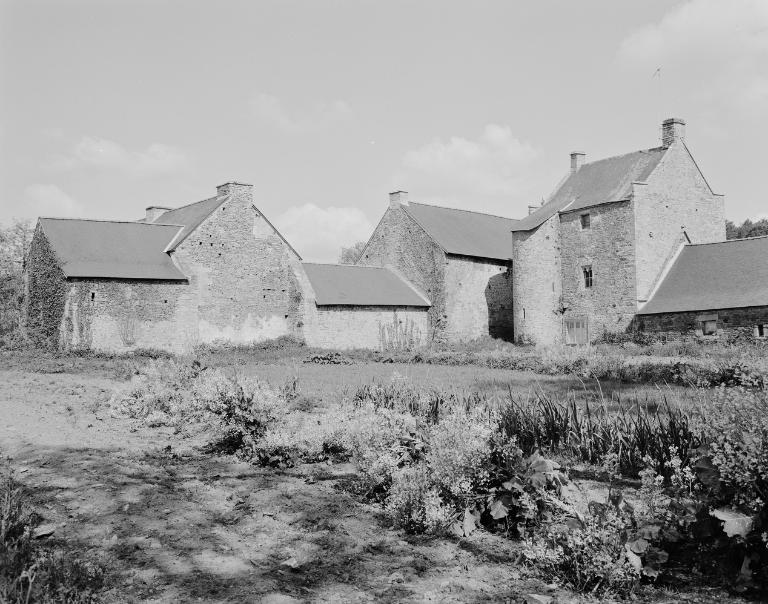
(587,271)
(586,222)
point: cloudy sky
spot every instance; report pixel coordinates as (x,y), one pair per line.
(327,105)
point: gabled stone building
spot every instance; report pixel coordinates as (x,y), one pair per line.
(580,265)
(589,258)
(212,271)
(460,260)
(615,234)
(712,290)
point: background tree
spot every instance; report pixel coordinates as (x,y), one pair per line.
(350,255)
(746,228)
(14,243)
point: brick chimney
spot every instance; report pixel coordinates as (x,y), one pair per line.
(398,198)
(154,212)
(577,160)
(672,130)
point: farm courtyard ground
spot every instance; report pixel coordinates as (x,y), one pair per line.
(172,523)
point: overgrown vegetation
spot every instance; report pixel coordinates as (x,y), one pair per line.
(14,243)
(31,572)
(453,462)
(748,228)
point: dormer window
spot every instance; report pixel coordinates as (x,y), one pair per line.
(585,222)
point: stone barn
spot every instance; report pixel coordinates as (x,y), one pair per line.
(364,307)
(211,271)
(460,260)
(715,290)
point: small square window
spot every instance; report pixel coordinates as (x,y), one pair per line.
(587,272)
(585,222)
(709,327)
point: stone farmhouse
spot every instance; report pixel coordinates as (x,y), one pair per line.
(635,241)
(211,271)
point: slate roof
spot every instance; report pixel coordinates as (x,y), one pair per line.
(710,276)
(595,183)
(463,232)
(190,217)
(117,250)
(344,284)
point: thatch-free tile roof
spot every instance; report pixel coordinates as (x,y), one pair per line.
(463,232)
(711,276)
(349,285)
(595,183)
(116,250)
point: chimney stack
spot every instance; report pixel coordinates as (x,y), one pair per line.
(672,130)
(398,198)
(577,160)
(154,212)
(532,209)
(235,189)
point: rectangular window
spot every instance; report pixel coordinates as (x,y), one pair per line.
(587,271)
(576,332)
(585,222)
(760,331)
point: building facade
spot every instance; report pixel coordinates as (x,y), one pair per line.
(595,258)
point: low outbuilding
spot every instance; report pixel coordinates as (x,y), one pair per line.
(712,290)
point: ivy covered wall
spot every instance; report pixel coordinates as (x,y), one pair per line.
(46,291)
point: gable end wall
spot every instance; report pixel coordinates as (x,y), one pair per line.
(243,276)
(675,199)
(400,242)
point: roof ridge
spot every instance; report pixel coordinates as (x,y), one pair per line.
(192,204)
(110,221)
(729,240)
(432,205)
(597,161)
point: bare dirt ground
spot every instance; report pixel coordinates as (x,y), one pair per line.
(172,524)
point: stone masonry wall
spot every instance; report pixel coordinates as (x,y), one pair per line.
(536,287)
(676,199)
(731,322)
(478,299)
(608,246)
(359,326)
(242,273)
(120,315)
(400,242)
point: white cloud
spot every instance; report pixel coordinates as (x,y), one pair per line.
(494,164)
(709,51)
(318,234)
(270,110)
(157,158)
(50,200)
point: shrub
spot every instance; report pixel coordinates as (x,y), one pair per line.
(414,502)
(591,557)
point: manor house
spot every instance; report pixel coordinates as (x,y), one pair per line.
(610,250)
